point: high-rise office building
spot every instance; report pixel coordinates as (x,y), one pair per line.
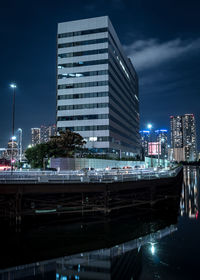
(52,130)
(12,150)
(144,142)
(189,137)
(42,134)
(162,140)
(47,132)
(35,136)
(183,137)
(97,87)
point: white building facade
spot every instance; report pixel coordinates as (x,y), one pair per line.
(97,87)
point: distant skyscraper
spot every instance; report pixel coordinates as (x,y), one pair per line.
(12,150)
(35,136)
(155,140)
(183,137)
(162,139)
(189,137)
(97,87)
(52,130)
(144,140)
(47,132)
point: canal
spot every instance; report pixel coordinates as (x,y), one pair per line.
(157,244)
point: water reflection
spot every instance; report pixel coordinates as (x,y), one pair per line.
(190,193)
(123,261)
(141,246)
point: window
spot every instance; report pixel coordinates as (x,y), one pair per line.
(82,74)
(82,106)
(82,43)
(91,52)
(80,85)
(82,63)
(84,32)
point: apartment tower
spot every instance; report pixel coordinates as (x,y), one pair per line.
(183,137)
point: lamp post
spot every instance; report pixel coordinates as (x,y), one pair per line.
(149,126)
(13,86)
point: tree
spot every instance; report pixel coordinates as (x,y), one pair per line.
(36,155)
(63,145)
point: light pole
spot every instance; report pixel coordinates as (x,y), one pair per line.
(13,86)
(149,126)
(20,144)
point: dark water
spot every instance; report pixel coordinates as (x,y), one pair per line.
(161,244)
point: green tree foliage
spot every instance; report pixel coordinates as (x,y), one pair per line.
(36,155)
(63,145)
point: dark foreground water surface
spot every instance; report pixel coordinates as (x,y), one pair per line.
(161,244)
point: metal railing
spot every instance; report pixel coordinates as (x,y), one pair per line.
(92,176)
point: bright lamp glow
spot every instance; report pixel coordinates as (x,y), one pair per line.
(13,137)
(152,249)
(13,85)
(149,126)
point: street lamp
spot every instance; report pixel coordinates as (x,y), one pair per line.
(149,126)
(13,86)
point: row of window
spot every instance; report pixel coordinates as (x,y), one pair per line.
(123,116)
(119,61)
(124,106)
(100,127)
(122,86)
(80,85)
(89,128)
(124,126)
(82,74)
(98,139)
(83,43)
(132,104)
(123,94)
(72,54)
(91,117)
(83,95)
(82,106)
(83,117)
(84,32)
(131,82)
(130,136)
(130,73)
(83,63)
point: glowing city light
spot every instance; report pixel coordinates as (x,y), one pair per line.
(13,85)
(153,249)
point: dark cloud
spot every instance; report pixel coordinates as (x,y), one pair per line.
(149,53)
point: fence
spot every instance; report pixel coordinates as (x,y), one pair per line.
(91,176)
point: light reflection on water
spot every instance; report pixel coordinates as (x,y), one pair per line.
(171,252)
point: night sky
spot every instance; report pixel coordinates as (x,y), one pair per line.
(161,37)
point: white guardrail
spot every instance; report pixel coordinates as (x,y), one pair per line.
(92,176)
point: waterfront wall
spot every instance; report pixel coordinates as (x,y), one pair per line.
(155,162)
(79,163)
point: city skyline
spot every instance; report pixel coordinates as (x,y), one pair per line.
(163,43)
